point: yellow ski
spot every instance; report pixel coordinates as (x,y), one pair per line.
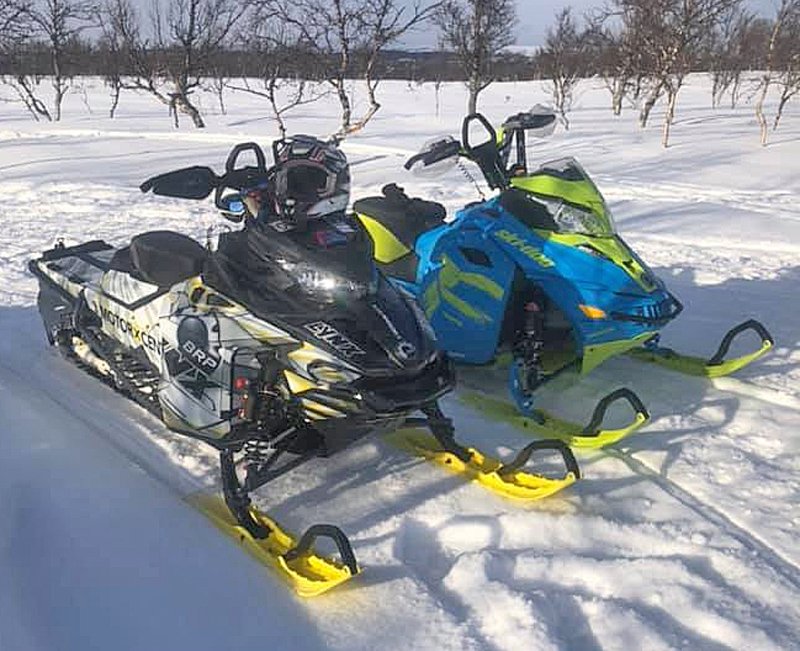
(308,574)
(508,480)
(548,426)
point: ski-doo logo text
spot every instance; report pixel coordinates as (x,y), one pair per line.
(334,339)
(129,328)
(525,248)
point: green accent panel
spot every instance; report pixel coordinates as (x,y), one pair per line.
(611,247)
(595,354)
(463,307)
(451,275)
(552,427)
(430,300)
(458,322)
(697,365)
(582,193)
(387,247)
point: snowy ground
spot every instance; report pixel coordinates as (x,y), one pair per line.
(684,537)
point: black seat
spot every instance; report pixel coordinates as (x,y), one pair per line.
(161,258)
(404,217)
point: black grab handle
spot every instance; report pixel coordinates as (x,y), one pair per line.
(593,427)
(325,531)
(525,453)
(725,344)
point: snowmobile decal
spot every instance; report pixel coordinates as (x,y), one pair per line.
(193,342)
(444,289)
(126,327)
(334,339)
(525,247)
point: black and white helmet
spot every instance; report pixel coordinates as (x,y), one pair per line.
(311,178)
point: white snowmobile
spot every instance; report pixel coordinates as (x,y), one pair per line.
(282,344)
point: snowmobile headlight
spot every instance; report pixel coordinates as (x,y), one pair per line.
(571,219)
(326,285)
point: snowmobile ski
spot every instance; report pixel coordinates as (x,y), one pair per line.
(506,479)
(715,366)
(543,424)
(306,572)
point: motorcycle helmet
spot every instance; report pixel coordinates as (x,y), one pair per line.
(310,179)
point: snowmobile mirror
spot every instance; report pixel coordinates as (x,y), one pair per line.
(187,183)
(232,207)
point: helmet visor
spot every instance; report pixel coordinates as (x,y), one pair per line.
(305,181)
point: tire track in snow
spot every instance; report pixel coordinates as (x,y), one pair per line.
(785,567)
(759,201)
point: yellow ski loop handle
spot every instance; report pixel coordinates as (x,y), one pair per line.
(716,365)
(725,344)
(543,424)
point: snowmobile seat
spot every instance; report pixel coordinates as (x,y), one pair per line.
(395,221)
(161,258)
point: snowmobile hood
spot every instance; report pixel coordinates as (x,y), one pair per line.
(366,322)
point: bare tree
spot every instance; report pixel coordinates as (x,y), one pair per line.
(59,22)
(187,35)
(277,50)
(615,55)
(112,52)
(784,18)
(563,60)
(476,31)
(348,36)
(671,35)
(728,55)
(788,79)
(14,27)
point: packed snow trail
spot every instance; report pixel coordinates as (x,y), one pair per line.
(686,536)
(93,549)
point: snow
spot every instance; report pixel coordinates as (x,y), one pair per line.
(683,536)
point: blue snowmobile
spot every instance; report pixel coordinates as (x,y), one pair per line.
(535,277)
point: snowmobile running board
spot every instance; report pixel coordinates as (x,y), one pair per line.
(715,366)
(546,425)
(310,575)
(506,479)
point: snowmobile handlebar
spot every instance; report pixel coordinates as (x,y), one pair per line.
(727,340)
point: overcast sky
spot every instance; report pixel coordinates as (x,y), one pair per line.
(536,15)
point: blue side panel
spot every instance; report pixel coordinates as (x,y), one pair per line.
(572,277)
(464,285)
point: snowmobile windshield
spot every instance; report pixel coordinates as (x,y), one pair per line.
(570,196)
